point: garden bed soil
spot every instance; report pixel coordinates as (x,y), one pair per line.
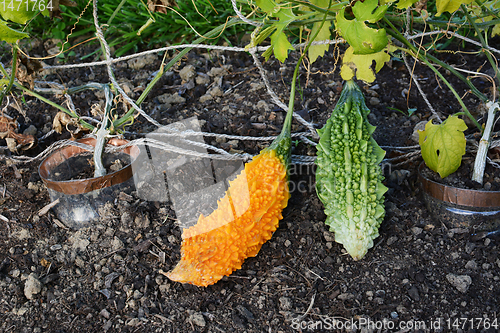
(420,276)
(462,178)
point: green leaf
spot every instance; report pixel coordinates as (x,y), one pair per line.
(3,83)
(266,5)
(316,51)
(449,5)
(363,39)
(19,11)
(477,11)
(360,65)
(279,41)
(10,35)
(403,4)
(443,145)
(280,44)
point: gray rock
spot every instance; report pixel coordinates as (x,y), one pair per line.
(141,62)
(206,98)
(197,319)
(413,293)
(79,241)
(471,264)
(329,260)
(263,106)
(117,244)
(245,313)
(218,71)
(31,130)
(32,286)
(285,303)
(203,79)
(105,313)
(215,92)
(187,73)
(126,218)
(461,282)
(169,99)
(374,101)
(420,126)
(142,221)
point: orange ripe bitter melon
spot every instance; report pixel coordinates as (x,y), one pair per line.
(245,218)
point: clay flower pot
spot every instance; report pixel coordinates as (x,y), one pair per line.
(81,199)
(459,207)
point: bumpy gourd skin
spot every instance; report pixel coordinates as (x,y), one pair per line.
(245,219)
(348,176)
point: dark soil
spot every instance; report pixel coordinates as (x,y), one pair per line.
(420,276)
(81,166)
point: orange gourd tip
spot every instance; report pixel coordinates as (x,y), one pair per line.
(245,218)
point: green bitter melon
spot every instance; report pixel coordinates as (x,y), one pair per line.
(348,175)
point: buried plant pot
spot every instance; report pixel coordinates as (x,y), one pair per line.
(82,196)
(459,207)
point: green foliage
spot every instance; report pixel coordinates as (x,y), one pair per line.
(443,145)
(348,176)
(362,38)
(279,41)
(449,5)
(169,28)
(10,35)
(316,51)
(17,11)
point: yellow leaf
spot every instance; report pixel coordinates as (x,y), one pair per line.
(443,145)
(449,5)
(360,65)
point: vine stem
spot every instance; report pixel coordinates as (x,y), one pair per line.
(101,134)
(425,58)
(12,73)
(288,120)
(484,144)
(484,44)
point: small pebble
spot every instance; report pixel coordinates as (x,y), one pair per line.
(461,282)
(374,101)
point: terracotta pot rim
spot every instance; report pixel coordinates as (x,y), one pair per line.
(81,186)
(459,196)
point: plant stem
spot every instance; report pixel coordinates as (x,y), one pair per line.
(444,24)
(12,73)
(454,92)
(492,61)
(425,58)
(288,120)
(487,10)
(330,10)
(484,144)
(57,106)
(102,134)
(396,34)
(116,11)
